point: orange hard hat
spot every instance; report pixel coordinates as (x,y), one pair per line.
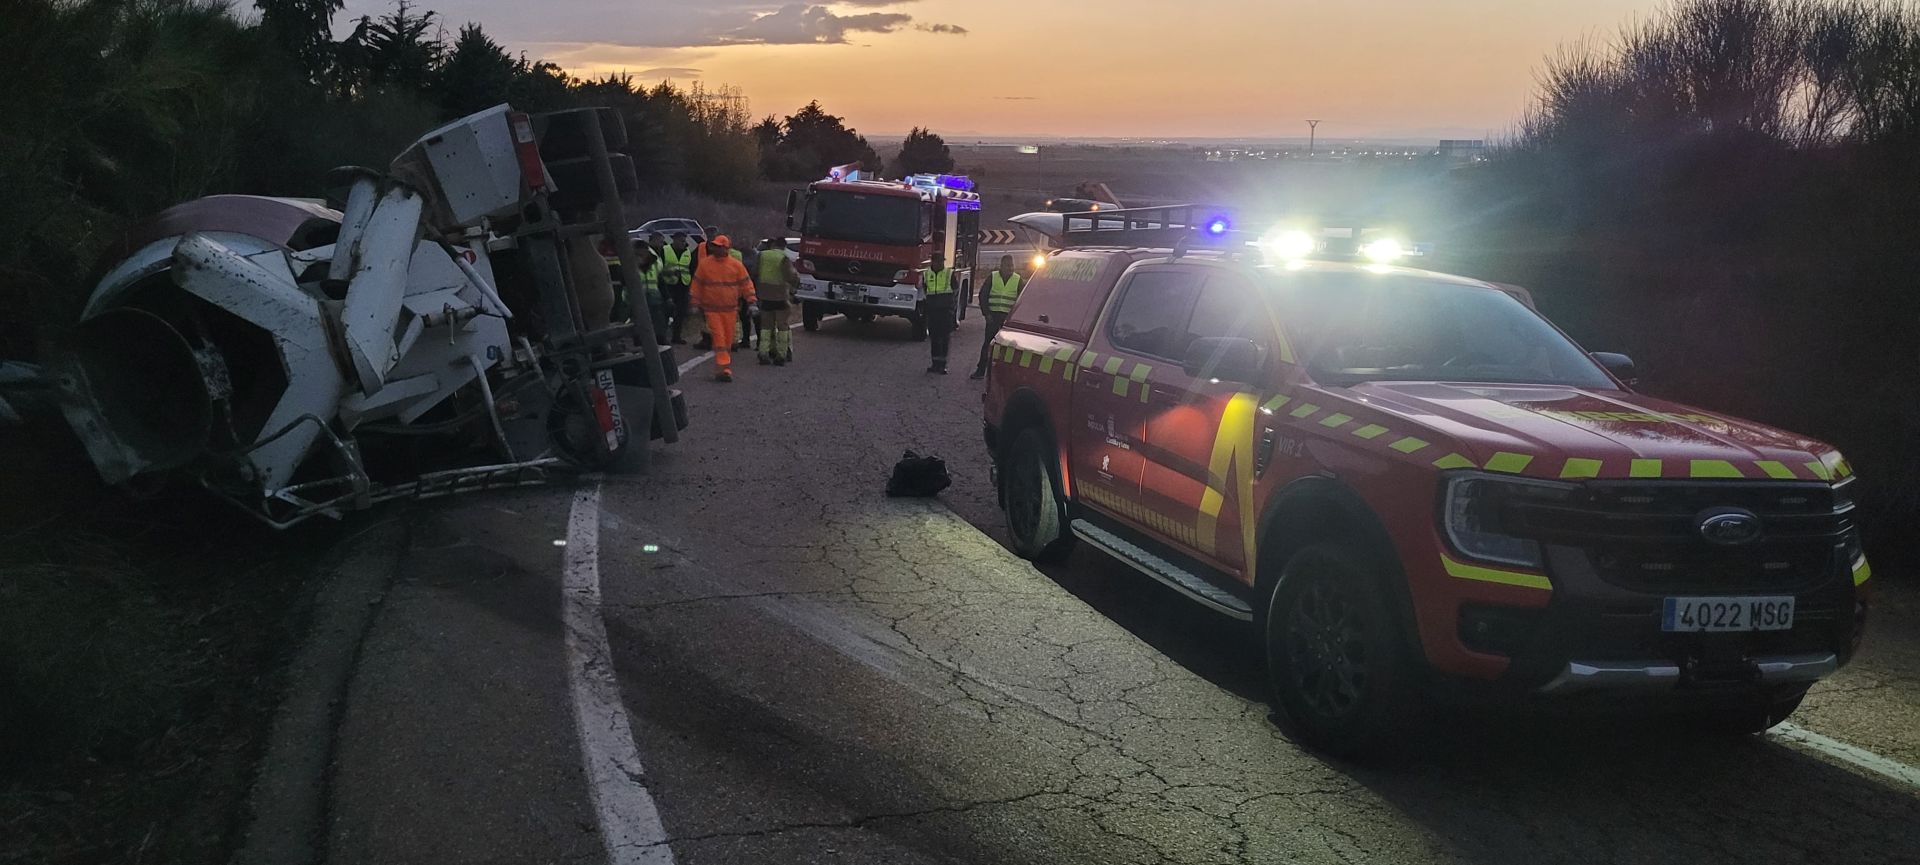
(723,240)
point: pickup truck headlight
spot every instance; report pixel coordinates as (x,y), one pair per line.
(1476,516)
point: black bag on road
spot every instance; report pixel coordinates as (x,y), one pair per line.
(918,476)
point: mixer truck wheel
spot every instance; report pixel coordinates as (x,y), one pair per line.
(574,433)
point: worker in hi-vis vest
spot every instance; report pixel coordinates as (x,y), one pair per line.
(676,276)
(937,280)
(650,269)
(742,337)
(721,285)
(1003,286)
(778,278)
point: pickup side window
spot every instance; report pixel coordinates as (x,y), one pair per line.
(1228,306)
(1063,298)
(1151,318)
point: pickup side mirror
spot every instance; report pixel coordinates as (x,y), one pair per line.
(1226,358)
(1619,364)
(793,203)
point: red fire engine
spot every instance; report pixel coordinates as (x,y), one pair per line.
(863,242)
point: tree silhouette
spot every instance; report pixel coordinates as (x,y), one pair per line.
(477,74)
(400,50)
(302,28)
(923,152)
(812,141)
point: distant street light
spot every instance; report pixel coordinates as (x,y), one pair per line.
(1313,126)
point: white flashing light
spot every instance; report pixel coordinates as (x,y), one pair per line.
(1288,244)
(1384,251)
(1039,260)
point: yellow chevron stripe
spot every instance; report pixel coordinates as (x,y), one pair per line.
(1371,431)
(1510,463)
(1453,461)
(1304,409)
(1335,419)
(1775,469)
(1713,469)
(1578,467)
(1465,571)
(1644,469)
(1408,445)
(1273,404)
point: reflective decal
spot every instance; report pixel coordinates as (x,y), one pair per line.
(1231,464)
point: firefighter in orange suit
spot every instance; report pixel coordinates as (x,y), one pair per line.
(720,284)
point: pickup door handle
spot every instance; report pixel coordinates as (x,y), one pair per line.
(1045,319)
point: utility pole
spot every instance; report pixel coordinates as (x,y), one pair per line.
(1313,126)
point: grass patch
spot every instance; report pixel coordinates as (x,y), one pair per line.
(140,649)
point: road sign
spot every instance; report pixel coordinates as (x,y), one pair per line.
(997,237)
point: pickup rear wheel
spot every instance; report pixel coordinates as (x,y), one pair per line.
(1034,502)
(1341,678)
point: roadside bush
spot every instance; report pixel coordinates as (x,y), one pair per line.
(90,659)
(1725,191)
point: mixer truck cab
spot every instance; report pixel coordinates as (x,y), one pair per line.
(1409,481)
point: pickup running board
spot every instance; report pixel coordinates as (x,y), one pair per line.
(1178,578)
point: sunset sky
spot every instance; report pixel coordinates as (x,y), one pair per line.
(1201,68)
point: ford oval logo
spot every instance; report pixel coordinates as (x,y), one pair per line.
(1729,526)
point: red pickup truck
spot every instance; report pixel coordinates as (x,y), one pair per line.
(1405,479)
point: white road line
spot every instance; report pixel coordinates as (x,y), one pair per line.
(630,824)
(1846,753)
(689,365)
(694,362)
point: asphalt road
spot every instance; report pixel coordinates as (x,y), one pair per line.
(811,672)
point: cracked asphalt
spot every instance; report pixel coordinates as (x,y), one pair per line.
(816,673)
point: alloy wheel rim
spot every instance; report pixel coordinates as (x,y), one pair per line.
(1326,649)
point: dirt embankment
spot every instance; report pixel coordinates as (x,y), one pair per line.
(140,644)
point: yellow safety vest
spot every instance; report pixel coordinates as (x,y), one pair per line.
(650,279)
(1000,295)
(679,265)
(737,256)
(773,267)
(937,281)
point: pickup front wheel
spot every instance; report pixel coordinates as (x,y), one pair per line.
(1341,678)
(1032,497)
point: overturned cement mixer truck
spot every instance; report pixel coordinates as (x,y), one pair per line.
(293,358)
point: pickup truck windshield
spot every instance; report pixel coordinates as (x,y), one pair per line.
(855,216)
(1355,327)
